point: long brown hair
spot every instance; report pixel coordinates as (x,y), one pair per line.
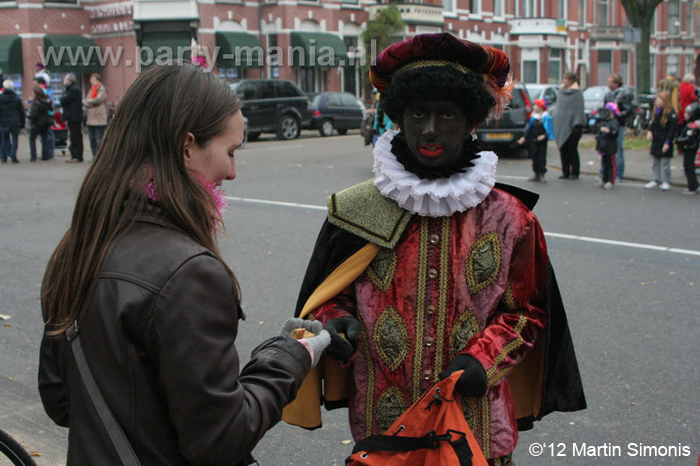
(145,141)
(666,106)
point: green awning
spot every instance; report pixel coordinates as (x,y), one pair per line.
(11,54)
(317,49)
(68,53)
(165,46)
(239,49)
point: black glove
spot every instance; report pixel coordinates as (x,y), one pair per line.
(473,381)
(341,348)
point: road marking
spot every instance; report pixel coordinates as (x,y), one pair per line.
(292,146)
(283,204)
(587,239)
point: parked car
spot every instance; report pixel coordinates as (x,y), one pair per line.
(273,106)
(593,99)
(546,92)
(501,135)
(336,110)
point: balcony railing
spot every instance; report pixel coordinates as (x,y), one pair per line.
(607,33)
(414,13)
(541,26)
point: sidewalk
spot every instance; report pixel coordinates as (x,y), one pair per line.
(637,164)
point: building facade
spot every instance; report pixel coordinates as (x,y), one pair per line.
(286,39)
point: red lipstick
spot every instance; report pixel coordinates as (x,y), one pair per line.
(429,150)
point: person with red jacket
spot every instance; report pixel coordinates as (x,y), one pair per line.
(688,95)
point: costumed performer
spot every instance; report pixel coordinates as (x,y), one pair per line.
(431,267)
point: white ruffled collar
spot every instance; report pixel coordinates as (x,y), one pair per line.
(432,198)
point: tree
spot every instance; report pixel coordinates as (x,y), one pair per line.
(381,32)
(640,14)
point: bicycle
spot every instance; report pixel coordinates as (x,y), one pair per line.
(14,451)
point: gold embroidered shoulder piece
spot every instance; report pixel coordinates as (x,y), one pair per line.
(364,212)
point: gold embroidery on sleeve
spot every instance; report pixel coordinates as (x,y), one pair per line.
(494,373)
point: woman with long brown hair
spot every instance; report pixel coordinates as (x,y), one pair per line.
(139,278)
(661,133)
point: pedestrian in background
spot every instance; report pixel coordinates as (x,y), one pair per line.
(73,116)
(11,121)
(688,142)
(662,132)
(40,71)
(96,108)
(538,132)
(688,95)
(41,121)
(569,119)
(382,122)
(41,80)
(158,307)
(623,99)
(606,143)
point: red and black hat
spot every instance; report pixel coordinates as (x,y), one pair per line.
(444,49)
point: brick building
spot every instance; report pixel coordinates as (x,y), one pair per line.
(251,39)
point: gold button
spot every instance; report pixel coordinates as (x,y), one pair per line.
(431,310)
(432,274)
(428,342)
(427,374)
(434,239)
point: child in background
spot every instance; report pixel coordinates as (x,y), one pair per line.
(688,141)
(606,142)
(538,131)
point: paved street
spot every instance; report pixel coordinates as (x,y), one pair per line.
(627,261)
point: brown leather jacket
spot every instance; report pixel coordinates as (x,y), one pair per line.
(159,339)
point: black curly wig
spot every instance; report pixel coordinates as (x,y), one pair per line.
(438,83)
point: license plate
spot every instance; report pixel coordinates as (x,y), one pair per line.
(491,136)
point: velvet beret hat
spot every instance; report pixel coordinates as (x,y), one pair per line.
(444,49)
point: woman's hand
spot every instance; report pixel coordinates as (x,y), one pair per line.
(649,136)
(666,148)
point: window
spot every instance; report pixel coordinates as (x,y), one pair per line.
(498,8)
(474,7)
(672,64)
(603,12)
(247,91)
(624,65)
(350,101)
(561,9)
(674,17)
(448,6)
(688,64)
(352,2)
(229,73)
(604,66)
(689,29)
(334,100)
(529,71)
(285,89)
(526,8)
(581,13)
(554,68)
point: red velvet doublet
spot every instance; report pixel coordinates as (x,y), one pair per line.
(473,283)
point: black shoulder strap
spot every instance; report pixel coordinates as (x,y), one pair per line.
(429,441)
(116,434)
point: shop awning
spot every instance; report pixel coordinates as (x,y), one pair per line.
(165,46)
(317,49)
(239,50)
(68,53)
(11,54)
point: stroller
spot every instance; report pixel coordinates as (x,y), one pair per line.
(60,131)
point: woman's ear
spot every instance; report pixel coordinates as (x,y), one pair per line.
(188,150)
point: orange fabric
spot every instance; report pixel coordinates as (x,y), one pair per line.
(341,277)
(93,92)
(424,416)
